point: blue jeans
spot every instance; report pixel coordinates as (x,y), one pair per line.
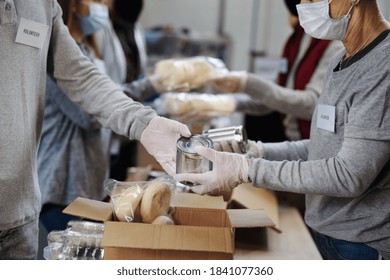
(20,243)
(336,249)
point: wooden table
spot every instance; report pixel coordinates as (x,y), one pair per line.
(293,243)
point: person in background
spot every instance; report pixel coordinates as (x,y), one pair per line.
(344,168)
(294,97)
(67,165)
(123,48)
(297,91)
(124,15)
(25,60)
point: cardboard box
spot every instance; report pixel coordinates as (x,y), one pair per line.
(246,196)
(204,228)
(144,159)
(250,209)
(198,233)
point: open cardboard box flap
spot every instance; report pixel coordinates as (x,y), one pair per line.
(259,208)
(249,218)
(248,197)
(253,207)
(90,209)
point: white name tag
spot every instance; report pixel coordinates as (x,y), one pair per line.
(31,33)
(326,116)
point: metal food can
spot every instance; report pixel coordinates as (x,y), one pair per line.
(187,160)
(229,134)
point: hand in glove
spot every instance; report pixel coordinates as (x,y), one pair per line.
(228,146)
(253,149)
(229,170)
(159,139)
(234,81)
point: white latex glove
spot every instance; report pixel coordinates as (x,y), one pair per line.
(254,149)
(159,139)
(227,146)
(233,81)
(229,170)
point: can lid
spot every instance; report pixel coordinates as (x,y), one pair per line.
(188,144)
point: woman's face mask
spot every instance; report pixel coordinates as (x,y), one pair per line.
(316,21)
(97,18)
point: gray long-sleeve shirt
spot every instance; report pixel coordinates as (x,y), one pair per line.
(74,151)
(263,97)
(345,173)
(22,95)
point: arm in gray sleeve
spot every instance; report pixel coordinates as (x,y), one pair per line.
(139,90)
(71,110)
(287,150)
(349,174)
(93,91)
(248,105)
(297,103)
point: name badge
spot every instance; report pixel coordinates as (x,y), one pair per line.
(326,117)
(31,33)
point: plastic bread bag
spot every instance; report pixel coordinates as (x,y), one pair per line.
(125,198)
(197,106)
(188,73)
(140,201)
(157,199)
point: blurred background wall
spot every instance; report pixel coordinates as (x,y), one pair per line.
(259,26)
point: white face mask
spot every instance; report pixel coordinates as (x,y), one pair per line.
(315,20)
(97,18)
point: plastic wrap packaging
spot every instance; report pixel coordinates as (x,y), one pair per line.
(188,73)
(80,241)
(141,201)
(187,107)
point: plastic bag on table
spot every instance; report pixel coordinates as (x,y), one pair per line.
(191,107)
(186,73)
(141,201)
